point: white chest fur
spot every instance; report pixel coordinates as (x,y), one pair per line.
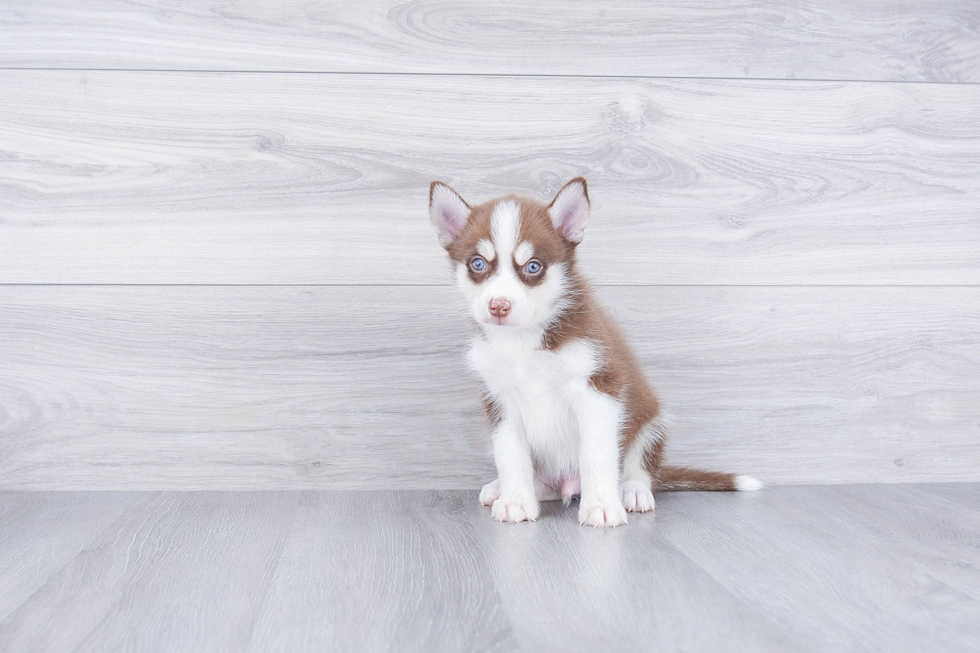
(534,389)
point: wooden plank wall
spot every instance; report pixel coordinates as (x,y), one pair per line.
(217,269)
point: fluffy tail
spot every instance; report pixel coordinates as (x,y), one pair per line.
(682,478)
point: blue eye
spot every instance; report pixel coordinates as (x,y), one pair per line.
(532,267)
(478,264)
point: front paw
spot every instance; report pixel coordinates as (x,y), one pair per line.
(514,510)
(594,512)
(490,492)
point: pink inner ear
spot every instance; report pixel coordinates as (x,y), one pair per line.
(566,218)
(449,213)
(452,220)
(570,211)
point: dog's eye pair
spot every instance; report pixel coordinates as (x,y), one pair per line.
(477,264)
(532,267)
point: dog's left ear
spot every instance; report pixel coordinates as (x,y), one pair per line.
(448,212)
(569,210)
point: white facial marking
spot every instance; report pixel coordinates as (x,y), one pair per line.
(463,281)
(485,249)
(533,307)
(505,226)
(523,253)
(550,298)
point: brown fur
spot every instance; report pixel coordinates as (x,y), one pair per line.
(621,375)
(682,478)
(491,410)
(536,227)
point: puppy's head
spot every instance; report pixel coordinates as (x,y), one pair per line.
(513,256)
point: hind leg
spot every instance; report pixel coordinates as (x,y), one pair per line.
(636,495)
(636,489)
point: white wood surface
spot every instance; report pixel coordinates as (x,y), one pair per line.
(797,39)
(361,388)
(785,219)
(129,177)
(871,568)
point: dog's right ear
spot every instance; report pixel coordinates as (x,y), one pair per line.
(448,212)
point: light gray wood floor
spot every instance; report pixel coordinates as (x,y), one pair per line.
(832,568)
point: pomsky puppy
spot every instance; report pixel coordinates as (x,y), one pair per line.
(570,410)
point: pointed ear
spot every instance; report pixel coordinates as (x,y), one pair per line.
(448,212)
(569,210)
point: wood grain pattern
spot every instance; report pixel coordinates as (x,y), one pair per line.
(279,387)
(789,568)
(859,544)
(803,39)
(158,579)
(965,494)
(308,179)
(408,570)
(41,532)
(566,587)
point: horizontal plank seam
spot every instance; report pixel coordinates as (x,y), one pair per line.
(466,492)
(447,285)
(471,491)
(528,75)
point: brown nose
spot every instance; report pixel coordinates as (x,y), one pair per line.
(499,307)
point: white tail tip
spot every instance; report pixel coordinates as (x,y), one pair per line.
(747,484)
